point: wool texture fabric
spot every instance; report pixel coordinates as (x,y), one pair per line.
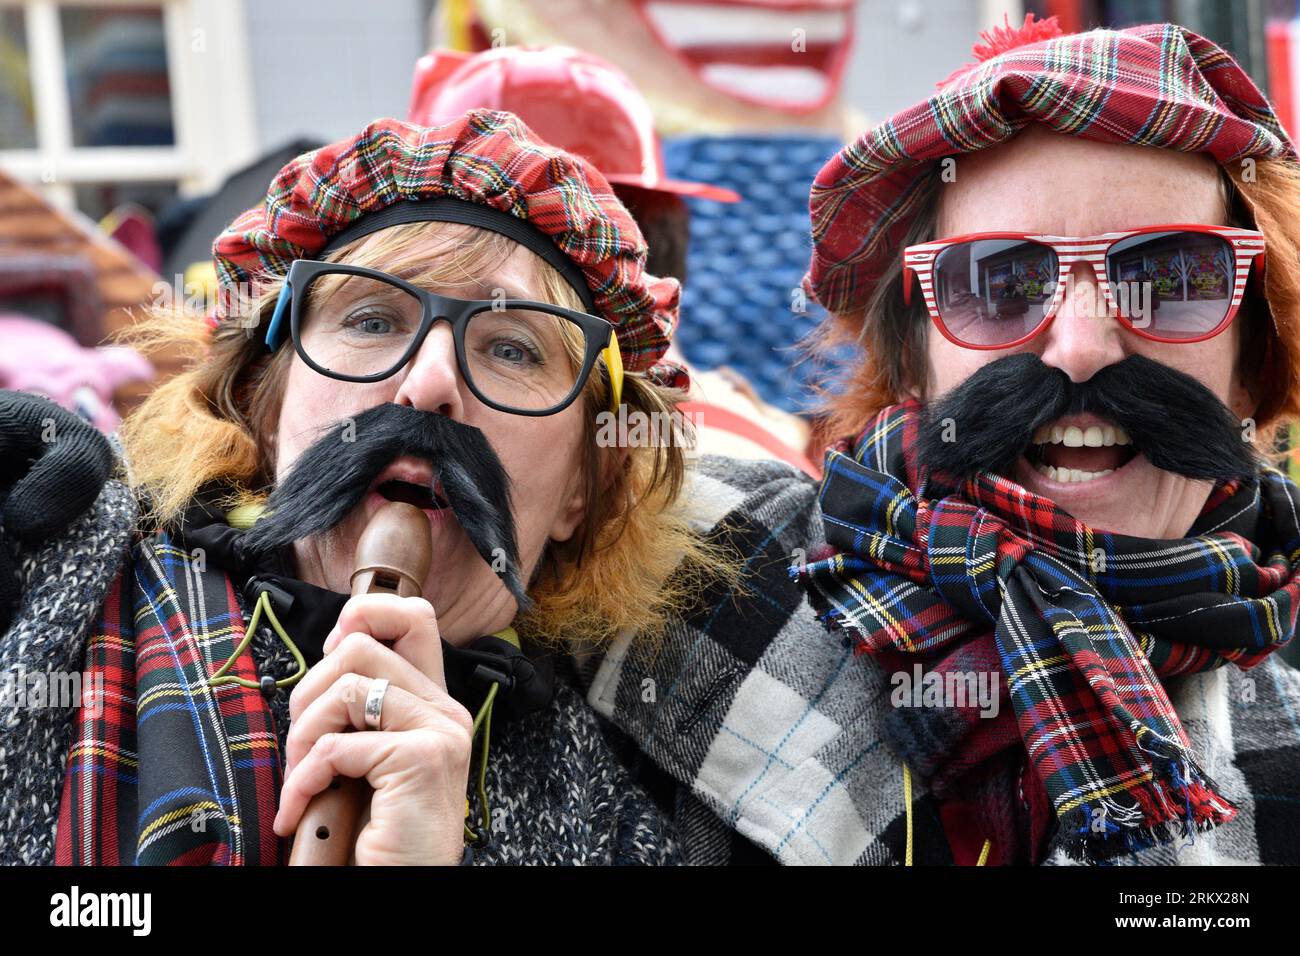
(487,157)
(63,583)
(38,441)
(1080,624)
(1155,85)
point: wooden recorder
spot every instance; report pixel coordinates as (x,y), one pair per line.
(393,557)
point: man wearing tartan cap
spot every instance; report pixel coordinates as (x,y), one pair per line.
(1056,562)
(1072,275)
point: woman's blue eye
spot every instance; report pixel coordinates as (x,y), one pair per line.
(517,353)
(370,324)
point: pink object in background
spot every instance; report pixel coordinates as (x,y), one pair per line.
(42,359)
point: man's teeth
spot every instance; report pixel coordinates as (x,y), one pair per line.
(1070,474)
(1072,436)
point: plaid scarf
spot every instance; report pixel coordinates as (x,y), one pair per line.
(168,770)
(1079,624)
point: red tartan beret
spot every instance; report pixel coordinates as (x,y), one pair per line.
(486,157)
(1156,85)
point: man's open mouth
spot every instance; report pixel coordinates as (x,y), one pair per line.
(1079,452)
(415,494)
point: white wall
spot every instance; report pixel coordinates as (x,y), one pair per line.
(904,47)
(325,68)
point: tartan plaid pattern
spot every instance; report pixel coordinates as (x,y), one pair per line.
(486,157)
(169,771)
(1155,85)
(1084,623)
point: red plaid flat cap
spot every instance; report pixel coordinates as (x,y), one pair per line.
(486,157)
(1155,85)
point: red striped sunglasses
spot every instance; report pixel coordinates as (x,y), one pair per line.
(1173,283)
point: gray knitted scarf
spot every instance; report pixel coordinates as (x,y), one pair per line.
(64,583)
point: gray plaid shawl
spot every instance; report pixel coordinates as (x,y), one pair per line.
(771,728)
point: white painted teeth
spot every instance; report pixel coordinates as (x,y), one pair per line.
(1094,436)
(1070,474)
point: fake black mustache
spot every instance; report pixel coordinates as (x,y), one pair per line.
(987,421)
(332,476)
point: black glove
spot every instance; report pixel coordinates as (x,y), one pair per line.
(53,465)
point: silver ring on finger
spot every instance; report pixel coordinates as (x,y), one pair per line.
(375,702)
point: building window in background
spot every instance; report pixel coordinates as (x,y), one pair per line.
(104,102)
(17,110)
(116,65)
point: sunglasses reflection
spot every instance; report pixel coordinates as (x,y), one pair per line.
(1173,285)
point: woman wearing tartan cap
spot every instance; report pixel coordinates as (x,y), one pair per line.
(437,316)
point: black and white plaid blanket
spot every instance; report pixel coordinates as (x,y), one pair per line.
(769,728)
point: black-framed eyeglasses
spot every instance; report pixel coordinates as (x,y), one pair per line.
(357,324)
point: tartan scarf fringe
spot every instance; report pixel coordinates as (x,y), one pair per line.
(836,619)
(1182,802)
